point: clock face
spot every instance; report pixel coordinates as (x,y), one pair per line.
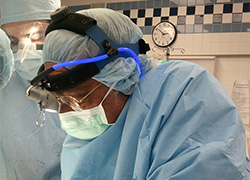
(164,34)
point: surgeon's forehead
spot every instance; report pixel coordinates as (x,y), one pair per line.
(20,28)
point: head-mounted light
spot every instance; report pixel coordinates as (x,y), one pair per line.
(43,97)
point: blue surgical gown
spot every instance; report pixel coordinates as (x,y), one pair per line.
(179,124)
(27,152)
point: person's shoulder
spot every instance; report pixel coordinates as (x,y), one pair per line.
(181,65)
(182,69)
(160,73)
(172,73)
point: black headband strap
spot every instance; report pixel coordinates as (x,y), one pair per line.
(62,18)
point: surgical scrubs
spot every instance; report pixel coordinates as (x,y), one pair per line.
(179,124)
(27,152)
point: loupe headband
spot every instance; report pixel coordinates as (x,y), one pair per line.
(62,18)
(84,71)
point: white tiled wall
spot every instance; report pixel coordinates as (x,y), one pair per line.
(231,49)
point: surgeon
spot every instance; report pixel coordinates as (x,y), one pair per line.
(130,120)
(29,150)
(6,59)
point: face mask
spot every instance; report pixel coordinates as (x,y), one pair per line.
(28,66)
(86,124)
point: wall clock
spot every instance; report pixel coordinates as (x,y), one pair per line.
(164,34)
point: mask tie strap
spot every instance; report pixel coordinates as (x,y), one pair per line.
(110,89)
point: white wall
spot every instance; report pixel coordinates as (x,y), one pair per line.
(231,49)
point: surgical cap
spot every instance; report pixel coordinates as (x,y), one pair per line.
(27,10)
(63,45)
(6,59)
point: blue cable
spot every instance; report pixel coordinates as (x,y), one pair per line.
(98,58)
(80,61)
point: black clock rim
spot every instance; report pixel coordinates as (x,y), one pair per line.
(173,38)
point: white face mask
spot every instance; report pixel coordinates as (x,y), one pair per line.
(86,124)
(28,66)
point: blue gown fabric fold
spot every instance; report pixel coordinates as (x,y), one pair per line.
(27,152)
(180,123)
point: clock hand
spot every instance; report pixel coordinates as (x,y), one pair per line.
(161,31)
